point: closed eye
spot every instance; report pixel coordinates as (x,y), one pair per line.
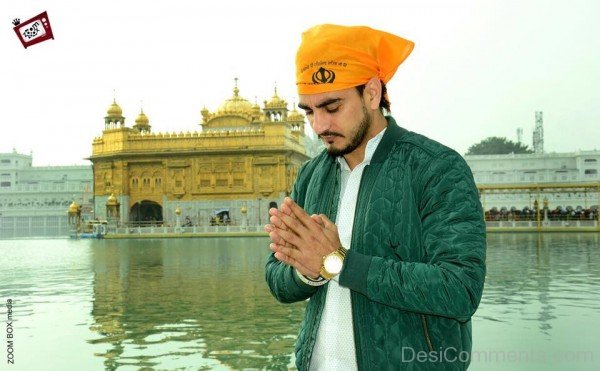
(306,109)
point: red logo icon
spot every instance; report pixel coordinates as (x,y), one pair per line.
(34,30)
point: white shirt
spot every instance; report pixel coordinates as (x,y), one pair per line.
(334,347)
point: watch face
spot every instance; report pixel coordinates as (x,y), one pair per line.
(333,264)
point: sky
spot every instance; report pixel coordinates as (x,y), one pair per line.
(480,68)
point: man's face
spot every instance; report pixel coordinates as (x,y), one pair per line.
(339,118)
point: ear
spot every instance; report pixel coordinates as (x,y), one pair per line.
(372,93)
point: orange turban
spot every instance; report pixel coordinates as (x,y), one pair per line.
(334,57)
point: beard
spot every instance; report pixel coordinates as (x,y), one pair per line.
(355,139)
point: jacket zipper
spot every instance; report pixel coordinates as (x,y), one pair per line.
(336,184)
(426,330)
(332,215)
(357,227)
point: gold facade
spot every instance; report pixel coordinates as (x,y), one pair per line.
(243,152)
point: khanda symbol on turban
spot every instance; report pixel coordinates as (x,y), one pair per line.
(323,76)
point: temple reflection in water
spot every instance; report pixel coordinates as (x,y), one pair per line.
(176,303)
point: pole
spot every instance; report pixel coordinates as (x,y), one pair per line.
(537,210)
(483,203)
(259,213)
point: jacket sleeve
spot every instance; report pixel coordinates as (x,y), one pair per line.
(449,281)
(282,280)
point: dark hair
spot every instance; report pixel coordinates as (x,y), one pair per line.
(384,102)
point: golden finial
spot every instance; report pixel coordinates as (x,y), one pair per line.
(235,89)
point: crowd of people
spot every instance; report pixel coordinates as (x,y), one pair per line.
(527,213)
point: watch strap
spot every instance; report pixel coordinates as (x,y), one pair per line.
(311,281)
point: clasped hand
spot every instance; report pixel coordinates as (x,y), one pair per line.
(299,239)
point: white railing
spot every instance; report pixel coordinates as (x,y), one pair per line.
(543,224)
(33,226)
(189,230)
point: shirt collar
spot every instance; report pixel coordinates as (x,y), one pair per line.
(369,150)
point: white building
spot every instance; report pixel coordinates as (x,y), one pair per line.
(34,200)
(581,167)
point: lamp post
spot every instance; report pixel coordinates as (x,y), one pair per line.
(259,211)
(536,206)
(482,197)
(598,210)
(244,211)
(74,214)
(545,211)
(178,227)
(113,211)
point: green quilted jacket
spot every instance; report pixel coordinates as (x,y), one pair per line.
(416,266)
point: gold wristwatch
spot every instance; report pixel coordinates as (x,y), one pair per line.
(333,263)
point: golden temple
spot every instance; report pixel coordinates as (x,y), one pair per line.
(244,160)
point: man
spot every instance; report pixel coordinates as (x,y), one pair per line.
(385,232)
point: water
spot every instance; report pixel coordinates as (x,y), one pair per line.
(203,304)
(541,303)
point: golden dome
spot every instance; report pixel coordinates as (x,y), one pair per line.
(114,110)
(73,208)
(142,119)
(256,107)
(205,115)
(294,115)
(276,101)
(235,104)
(112,200)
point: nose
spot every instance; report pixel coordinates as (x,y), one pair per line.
(320,122)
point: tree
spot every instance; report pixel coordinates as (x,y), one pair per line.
(497,146)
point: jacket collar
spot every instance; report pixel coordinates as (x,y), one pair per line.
(391,135)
